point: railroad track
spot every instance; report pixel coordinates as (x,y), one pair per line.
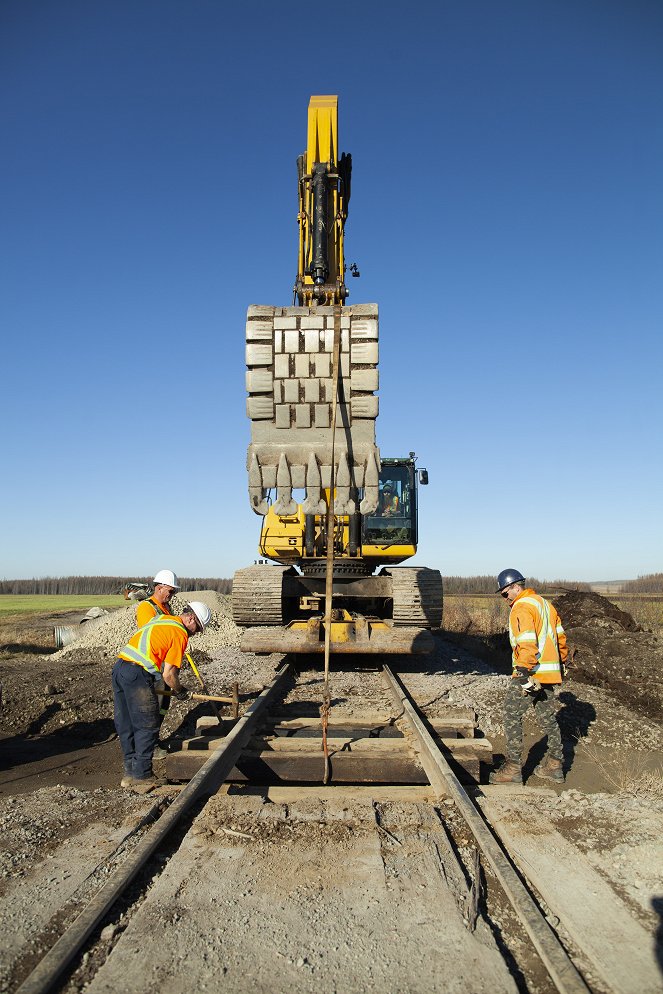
(254,786)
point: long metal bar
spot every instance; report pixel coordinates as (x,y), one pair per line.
(207,779)
(331,534)
(563,973)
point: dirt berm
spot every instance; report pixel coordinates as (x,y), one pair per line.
(608,649)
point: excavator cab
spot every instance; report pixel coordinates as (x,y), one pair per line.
(395,519)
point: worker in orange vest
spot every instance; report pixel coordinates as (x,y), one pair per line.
(539,651)
(166,585)
(155,652)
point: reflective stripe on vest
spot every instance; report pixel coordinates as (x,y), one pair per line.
(544,664)
(141,654)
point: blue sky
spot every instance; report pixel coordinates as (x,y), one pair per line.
(506,216)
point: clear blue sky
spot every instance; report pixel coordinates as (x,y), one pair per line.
(506,215)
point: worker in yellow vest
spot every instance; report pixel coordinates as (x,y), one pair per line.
(155,652)
(539,651)
(166,585)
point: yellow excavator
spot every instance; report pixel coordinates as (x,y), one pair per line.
(337,517)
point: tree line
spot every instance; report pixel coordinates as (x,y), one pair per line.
(90,585)
(651,583)
(468,585)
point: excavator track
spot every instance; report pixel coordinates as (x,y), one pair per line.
(257,595)
(417,596)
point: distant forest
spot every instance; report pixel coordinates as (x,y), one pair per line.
(102,584)
(650,584)
(457,585)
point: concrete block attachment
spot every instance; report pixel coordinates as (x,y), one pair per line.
(288,357)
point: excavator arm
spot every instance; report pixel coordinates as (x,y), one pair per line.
(324,195)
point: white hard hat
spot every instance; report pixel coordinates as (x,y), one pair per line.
(202,613)
(168,577)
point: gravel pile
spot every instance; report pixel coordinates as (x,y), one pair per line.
(109,633)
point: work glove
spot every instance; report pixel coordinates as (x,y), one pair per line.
(182,694)
(523,675)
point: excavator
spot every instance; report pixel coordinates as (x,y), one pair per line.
(338,518)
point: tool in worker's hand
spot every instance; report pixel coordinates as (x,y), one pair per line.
(234,700)
(195,671)
(528,683)
(201,697)
(202,683)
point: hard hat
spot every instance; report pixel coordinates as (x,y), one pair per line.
(202,613)
(167,577)
(388,486)
(507,577)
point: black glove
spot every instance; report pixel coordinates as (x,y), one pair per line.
(182,694)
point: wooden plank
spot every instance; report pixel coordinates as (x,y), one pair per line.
(299,714)
(347,767)
(338,795)
(270,767)
(311,727)
(449,727)
(620,949)
(481,748)
(458,748)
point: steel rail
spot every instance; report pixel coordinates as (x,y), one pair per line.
(563,973)
(207,779)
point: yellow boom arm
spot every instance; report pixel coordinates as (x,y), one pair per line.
(324,194)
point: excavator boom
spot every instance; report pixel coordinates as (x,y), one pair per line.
(324,195)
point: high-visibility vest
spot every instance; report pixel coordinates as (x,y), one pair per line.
(156,608)
(535,636)
(141,653)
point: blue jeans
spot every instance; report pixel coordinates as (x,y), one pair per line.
(136,717)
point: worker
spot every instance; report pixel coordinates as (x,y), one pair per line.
(539,652)
(165,585)
(388,501)
(154,652)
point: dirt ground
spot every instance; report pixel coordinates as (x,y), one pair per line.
(61,807)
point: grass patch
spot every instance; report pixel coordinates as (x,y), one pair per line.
(470,614)
(33,604)
(648,612)
(628,772)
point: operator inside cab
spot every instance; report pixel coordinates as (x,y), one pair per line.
(388,504)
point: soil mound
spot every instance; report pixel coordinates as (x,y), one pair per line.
(578,609)
(608,649)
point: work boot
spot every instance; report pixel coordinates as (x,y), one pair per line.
(147,784)
(550,769)
(127,781)
(159,752)
(508,772)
